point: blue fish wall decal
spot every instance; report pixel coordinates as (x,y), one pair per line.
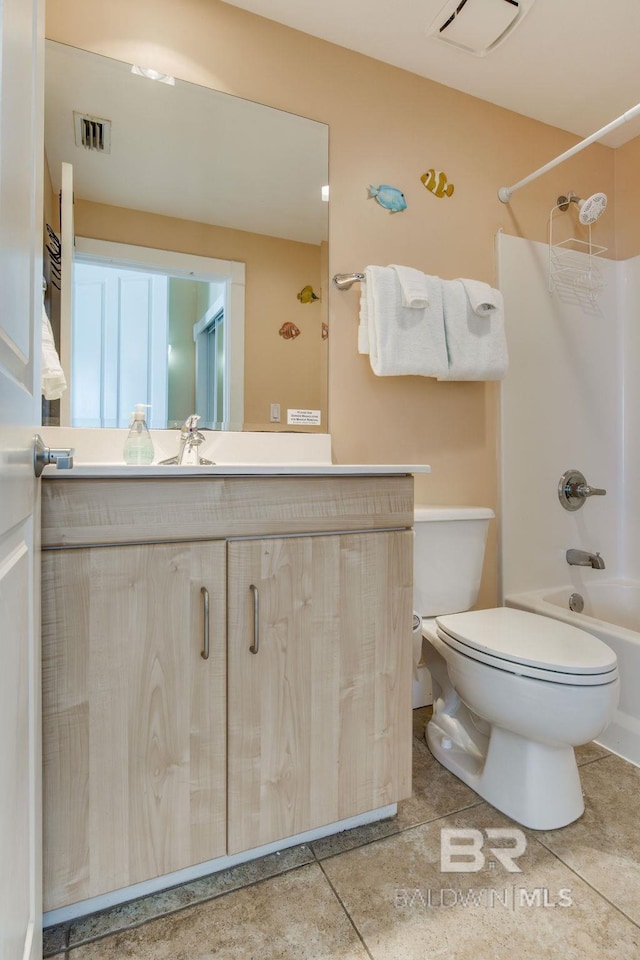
(388,197)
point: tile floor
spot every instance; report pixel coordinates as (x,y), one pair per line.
(378,891)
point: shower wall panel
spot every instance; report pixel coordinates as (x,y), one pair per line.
(561,408)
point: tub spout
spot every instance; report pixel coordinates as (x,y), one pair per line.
(582,558)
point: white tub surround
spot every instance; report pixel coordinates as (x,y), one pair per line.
(572,401)
(561,408)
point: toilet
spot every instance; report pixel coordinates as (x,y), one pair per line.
(514,692)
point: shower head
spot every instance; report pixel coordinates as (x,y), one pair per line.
(590,209)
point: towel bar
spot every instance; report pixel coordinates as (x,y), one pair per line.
(344,281)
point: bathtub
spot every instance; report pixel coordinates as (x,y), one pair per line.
(612,613)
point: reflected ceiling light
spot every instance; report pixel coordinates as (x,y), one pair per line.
(153,75)
(325,193)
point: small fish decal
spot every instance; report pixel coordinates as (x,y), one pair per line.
(388,197)
(307,295)
(436,182)
(325,331)
(289,331)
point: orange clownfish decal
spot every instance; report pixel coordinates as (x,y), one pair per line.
(289,331)
(436,182)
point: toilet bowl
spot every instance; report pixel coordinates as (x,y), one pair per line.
(514,692)
(514,695)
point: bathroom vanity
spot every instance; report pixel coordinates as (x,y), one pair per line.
(226,664)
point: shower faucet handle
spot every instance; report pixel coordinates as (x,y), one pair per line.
(573,490)
(584,490)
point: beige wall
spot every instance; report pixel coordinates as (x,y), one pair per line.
(386,126)
(627,199)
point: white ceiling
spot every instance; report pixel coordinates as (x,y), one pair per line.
(569,63)
(190,152)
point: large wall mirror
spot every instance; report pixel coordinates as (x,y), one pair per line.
(200,258)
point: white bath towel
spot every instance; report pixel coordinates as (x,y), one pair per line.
(482,297)
(414,287)
(54,382)
(363,328)
(403,340)
(476,346)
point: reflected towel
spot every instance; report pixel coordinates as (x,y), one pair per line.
(54,382)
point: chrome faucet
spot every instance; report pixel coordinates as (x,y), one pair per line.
(190,439)
(581,558)
(574,491)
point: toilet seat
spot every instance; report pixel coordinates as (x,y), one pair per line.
(530,645)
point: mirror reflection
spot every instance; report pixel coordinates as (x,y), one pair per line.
(200,250)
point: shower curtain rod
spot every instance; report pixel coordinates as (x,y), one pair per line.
(505,192)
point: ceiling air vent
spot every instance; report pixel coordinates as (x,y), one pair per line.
(478,26)
(93,133)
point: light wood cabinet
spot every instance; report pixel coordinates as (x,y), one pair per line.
(156,759)
(134,717)
(319,726)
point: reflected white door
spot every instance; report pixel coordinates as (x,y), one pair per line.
(21,153)
(119,352)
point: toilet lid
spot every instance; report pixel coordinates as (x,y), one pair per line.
(539,646)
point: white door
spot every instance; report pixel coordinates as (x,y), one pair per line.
(21,155)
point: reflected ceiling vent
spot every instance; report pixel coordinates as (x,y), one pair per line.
(478,26)
(93,133)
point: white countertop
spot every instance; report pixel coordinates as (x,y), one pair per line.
(98,453)
(114,470)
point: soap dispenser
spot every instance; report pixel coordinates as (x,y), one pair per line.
(138,447)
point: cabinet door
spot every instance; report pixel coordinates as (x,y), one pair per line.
(319,719)
(134,717)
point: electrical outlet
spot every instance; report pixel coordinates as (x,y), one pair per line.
(274,413)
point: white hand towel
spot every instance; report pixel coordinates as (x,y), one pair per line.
(476,346)
(413,287)
(482,297)
(404,340)
(54,382)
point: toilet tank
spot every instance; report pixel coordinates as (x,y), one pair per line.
(448,553)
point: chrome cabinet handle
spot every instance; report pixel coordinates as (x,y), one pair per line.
(256,619)
(205,649)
